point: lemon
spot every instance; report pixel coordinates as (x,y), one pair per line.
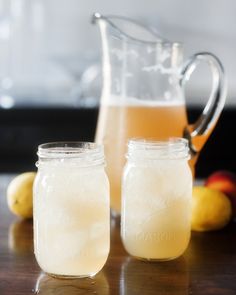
(20,195)
(211,209)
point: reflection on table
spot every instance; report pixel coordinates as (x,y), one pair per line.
(142,277)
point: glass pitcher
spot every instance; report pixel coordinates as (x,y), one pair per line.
(143,93)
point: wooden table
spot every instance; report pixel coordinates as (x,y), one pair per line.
(207,267)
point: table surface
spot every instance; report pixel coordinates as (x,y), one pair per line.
(207,267)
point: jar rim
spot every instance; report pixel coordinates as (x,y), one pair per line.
(172,147)
(68,147)
(90,152)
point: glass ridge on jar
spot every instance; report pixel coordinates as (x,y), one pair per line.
(71,209)
(156,199)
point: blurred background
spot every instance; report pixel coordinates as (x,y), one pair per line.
(50,70)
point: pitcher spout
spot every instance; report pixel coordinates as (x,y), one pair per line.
(128,28)
(96,17)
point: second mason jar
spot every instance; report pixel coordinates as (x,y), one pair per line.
(71,209)
(156,199)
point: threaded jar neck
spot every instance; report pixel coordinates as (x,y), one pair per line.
(172,149)
(79,153)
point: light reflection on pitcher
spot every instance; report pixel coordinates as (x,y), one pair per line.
(143,93)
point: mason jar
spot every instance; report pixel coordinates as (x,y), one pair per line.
(71,209)
(156,199)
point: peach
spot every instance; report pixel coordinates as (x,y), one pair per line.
(224,181)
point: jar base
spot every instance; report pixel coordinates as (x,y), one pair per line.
(69,277)
(156,259)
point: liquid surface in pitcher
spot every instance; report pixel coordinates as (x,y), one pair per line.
(117,123)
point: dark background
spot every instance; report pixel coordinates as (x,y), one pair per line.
(23,129)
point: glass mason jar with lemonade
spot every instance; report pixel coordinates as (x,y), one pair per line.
(71,209)
(156,199)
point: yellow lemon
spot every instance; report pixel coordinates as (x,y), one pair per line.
(211,209)
(20,195)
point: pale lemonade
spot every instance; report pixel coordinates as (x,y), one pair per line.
(117,124)
(156,208)
(71,218)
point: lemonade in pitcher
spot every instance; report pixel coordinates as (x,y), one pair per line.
(143,93)
(117,124)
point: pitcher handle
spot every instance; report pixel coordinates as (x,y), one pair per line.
(216,101)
